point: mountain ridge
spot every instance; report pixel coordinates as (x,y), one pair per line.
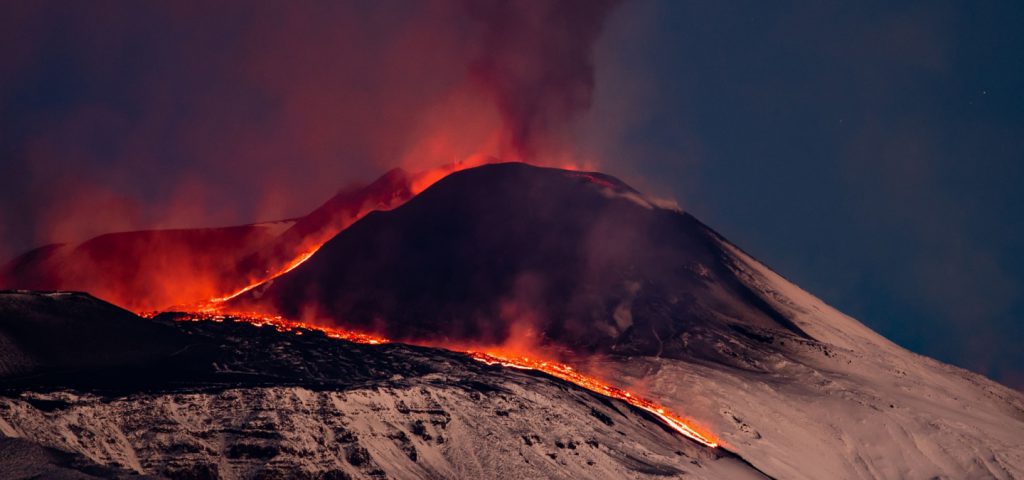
(646,298)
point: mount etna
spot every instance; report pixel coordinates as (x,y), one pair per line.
(501,321)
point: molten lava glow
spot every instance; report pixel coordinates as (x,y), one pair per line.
(423,180)
(418,182)
(291,265)
(571,375)
(311,243)
(285,325)
(595,180)
(555,369)
(214,310)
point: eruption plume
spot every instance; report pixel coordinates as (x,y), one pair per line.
(536,63)
(447,85)
(215,127)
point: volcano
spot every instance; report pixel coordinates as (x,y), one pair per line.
(521,261)
(576,262)
(580,259)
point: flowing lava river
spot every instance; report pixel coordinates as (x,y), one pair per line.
(556,369)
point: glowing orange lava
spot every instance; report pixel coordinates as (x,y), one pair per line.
(417,183)
(556,369)
(285,325)
(571,375)
(283,270)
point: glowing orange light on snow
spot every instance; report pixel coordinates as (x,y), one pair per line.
(571,375)
(556,369)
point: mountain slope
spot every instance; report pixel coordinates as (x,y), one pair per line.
(560,263)
(242,401)
(491,252)
(44,332)
(553,260)
(853,404)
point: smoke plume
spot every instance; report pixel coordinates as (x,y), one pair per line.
(127,115)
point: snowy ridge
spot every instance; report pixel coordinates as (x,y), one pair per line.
(849,404)
(534,429)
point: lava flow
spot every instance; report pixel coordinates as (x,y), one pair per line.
(291,265)
(284,325)
(214,310)
(416,184)
(555,369)
(569,374)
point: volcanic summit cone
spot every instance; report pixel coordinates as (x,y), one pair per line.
(579,259)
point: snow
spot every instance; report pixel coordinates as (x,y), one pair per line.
(851,405)
(532,427)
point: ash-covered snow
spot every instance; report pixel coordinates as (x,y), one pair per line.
(848,404)
(245,402)
(522,427)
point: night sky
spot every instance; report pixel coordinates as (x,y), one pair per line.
(871,152)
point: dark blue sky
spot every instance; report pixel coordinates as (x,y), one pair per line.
(872,152)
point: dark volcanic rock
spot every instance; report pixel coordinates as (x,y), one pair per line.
(152,270)
(578,258)
(74,332)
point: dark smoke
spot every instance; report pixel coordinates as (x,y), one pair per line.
(128,115)
(536,61)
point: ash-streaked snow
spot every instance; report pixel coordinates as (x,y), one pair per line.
(250,402)
(848,404)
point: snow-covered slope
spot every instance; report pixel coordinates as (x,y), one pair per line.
(516,428)
(582,261)
(846,404)
(241,401)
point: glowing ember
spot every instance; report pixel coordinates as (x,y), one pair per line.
(555,369)
(590,177)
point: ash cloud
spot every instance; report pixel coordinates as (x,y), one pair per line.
(122,115)
(539,92)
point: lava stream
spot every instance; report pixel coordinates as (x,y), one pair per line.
(416,183)
(284,325)
(555,369)
(283,270)
(569,374)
